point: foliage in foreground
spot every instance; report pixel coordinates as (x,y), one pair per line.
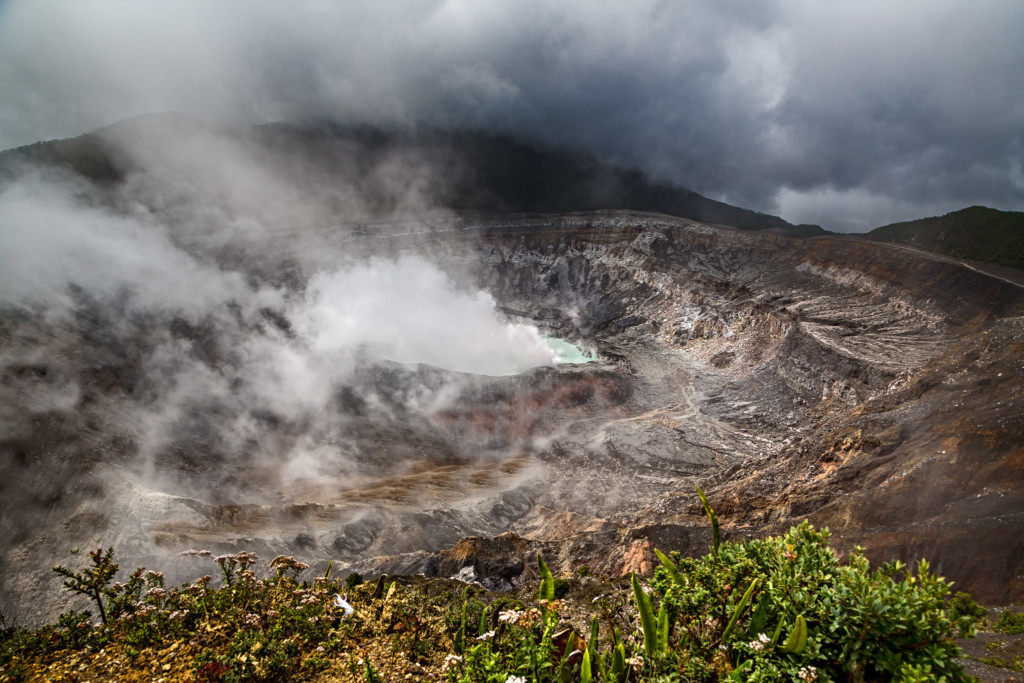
(781,609)
(778,609)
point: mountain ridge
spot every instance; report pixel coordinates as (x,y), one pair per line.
(473,171)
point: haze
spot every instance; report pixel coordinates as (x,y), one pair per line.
(846,114)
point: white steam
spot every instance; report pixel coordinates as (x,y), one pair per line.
(405,310)
(411,312)
(49,241)
(233,363)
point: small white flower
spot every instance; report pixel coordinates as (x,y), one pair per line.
(485,636)
(807,674)
(636,661)
(450,661)
(515,679)
(510,616)
(760,644)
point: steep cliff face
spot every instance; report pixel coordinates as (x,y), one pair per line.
(877,392)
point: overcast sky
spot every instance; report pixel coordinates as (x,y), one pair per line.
(847,114)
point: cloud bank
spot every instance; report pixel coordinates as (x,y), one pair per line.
(845,113)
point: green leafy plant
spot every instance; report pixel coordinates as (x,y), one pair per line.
(547,582)
(797,640)
(648,621)
(459,640)
(92,581)
(716,534)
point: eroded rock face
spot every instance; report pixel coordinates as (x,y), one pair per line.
(878,392)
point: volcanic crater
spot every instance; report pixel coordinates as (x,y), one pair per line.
(872,389)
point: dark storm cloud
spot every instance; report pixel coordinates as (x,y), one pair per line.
(850,114)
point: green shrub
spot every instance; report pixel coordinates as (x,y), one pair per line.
(562,588)
(74,630)
(1010,623)
(860,624)
(963,605)
(353,580)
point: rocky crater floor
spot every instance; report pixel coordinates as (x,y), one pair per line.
(869,389)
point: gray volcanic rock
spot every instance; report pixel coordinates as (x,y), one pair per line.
(874,391)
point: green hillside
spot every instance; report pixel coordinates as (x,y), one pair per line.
(977,233)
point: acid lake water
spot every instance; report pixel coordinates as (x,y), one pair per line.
(566,352)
